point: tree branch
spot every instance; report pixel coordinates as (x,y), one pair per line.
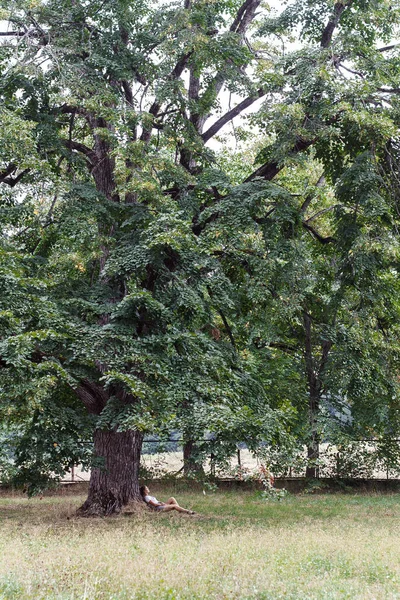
(12,181)
(245,15)
(326,346)
(318,236)
(68,109)
(281,346)
(269,170)
(263,220)
(243,19)
(5,175)
(125,40)
(197,227)
(333,22)
(13,33)
(227,327)
(155,107)
(9,170)
(127,91)
(386,48)
(322,212)
(358,73)
(309,198)
(93,396)
(180,66)
(227,117)
(389,90)
(224,320)
(82,148)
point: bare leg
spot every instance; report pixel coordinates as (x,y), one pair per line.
(172,501)
(169,507)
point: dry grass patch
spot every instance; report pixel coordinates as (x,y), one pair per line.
(324,547)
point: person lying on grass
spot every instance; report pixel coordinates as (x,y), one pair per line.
(170,504)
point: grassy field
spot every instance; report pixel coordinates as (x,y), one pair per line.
(238,547)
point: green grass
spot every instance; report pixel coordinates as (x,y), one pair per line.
(239,547)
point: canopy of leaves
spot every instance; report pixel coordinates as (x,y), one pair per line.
(152,279)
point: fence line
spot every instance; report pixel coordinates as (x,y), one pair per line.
(360,459)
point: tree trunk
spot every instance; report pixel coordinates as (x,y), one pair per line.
(312,469)
(314,371)
(314,389)
(190,465)
(116,482)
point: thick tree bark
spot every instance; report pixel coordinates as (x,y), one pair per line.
(116,482)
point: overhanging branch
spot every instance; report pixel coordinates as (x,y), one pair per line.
(9,170)
(387,48)
(93,396)
(322,212)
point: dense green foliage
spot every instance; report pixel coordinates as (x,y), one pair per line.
(151,280)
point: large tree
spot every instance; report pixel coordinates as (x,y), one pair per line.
(116,209)
(116,293)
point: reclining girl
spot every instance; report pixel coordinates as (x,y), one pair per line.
(170,504)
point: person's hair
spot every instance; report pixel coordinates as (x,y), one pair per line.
(141,490)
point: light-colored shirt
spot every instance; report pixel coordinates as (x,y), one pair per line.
(151,500)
